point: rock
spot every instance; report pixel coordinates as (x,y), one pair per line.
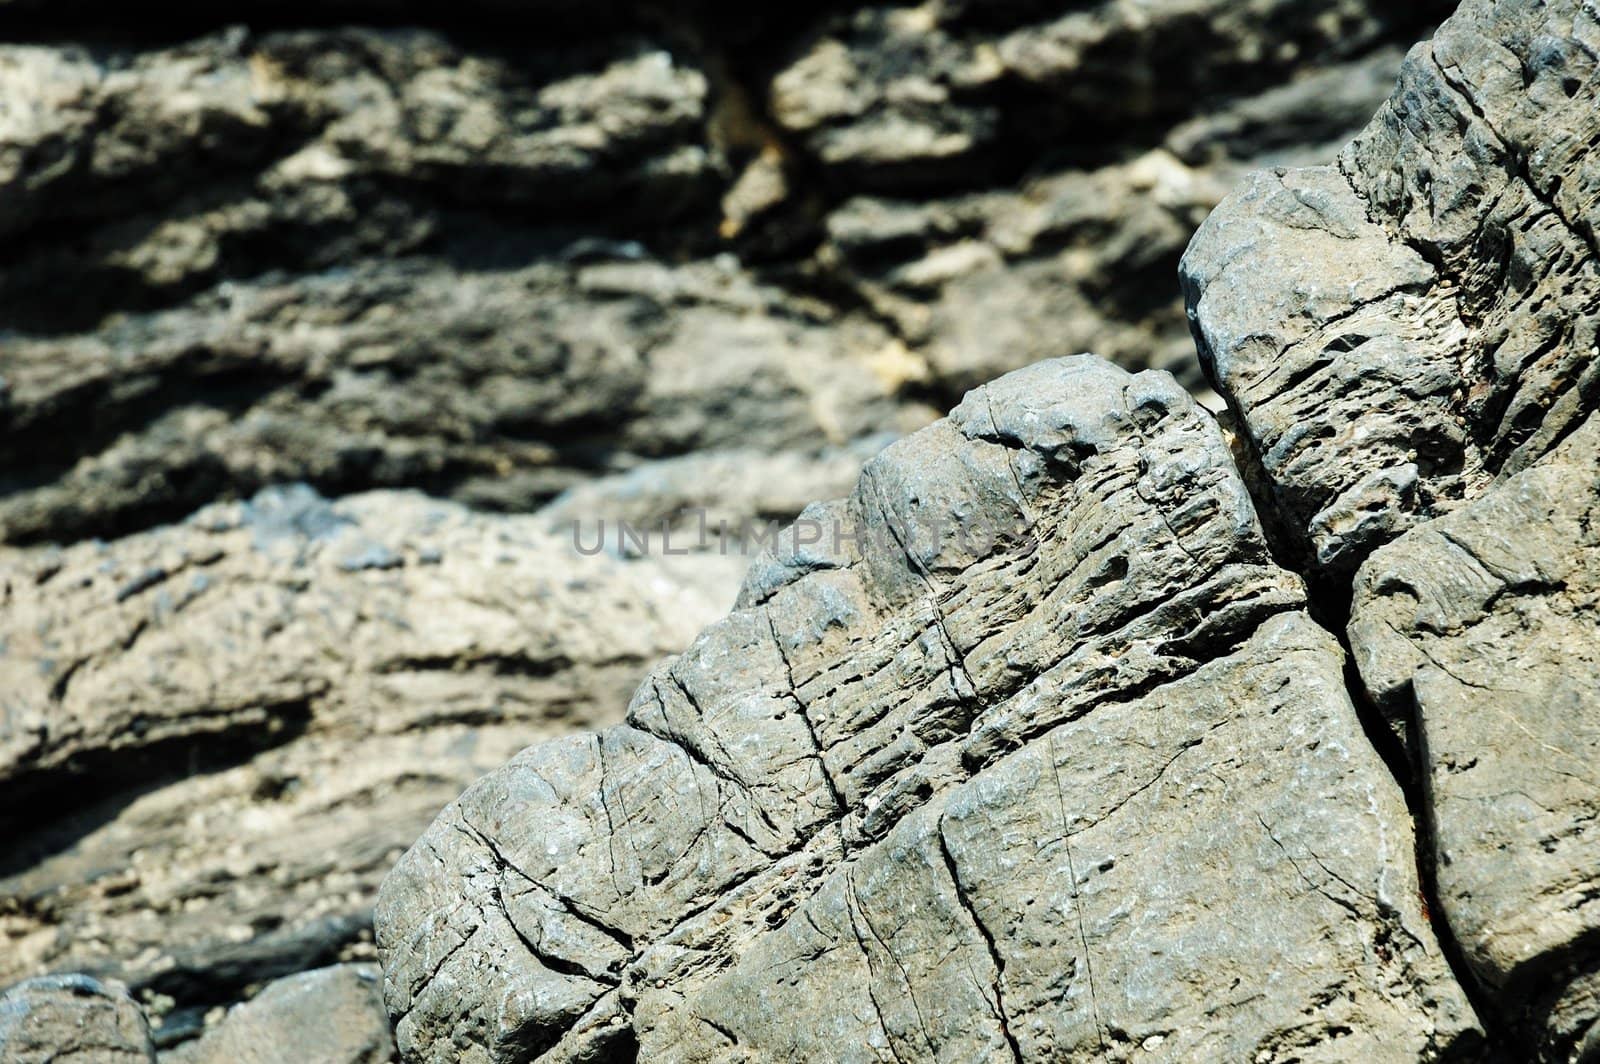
(629,268)
(1031,752)
(979,284)
(215,737)
(72,1017)
(1483,628)
(983,284)
(400,350)
(500,390)
(1401,329)
(282,116)
(432,256)
(1408,340)
(333,1014)
(903,97)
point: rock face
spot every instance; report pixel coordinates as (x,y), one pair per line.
(72,1017)
(426,255)
(1484,627)
(629,266)
(1409,342)
(1026,748)
(1401,328)
(234,725)
(990,769)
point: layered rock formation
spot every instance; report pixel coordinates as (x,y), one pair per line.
(1000,766)
(424,256)
(218,736)
(1409,340)
(1027,748)
(942,800)
(635,262)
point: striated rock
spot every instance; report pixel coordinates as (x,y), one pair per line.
(901,97)
(1409,342)
(500,389)
(72,1018)
(1400,329)
(333,1015)
(216,737)
(1032,752)
(497,374)
(305,111)
(444,259)
(979,284)
(1483,628)
(982,284)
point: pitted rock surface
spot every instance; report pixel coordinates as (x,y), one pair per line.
(1409,342)
(1398,330)
(999,770)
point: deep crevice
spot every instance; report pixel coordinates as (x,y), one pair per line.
(1329,601)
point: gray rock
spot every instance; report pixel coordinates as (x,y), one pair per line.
(331,1016)
(408,257)
(303,112)
(1037,756)
(1481,631)
(904,97)
(979,284)
(72,1018)
(217,736)
(1400,329)
(1409,342)
(500,389)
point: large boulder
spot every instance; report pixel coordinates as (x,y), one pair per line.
(1027,748)
(1401,328)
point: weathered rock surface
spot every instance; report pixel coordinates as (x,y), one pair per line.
(72,1018)
(1409,341)
(413,257)
(331,1016)
(703,267)
(1485,624)
(899,96)
(1401,328)
(216,737)
(1080,780)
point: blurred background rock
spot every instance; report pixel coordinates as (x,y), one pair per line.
(308,310)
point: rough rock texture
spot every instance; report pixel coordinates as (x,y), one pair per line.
(61,1018)
(1485,624)
(331,1016)
(429,255)
(216,737)
(695,266)
(1409,342)
(940,794)
(1401,328)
